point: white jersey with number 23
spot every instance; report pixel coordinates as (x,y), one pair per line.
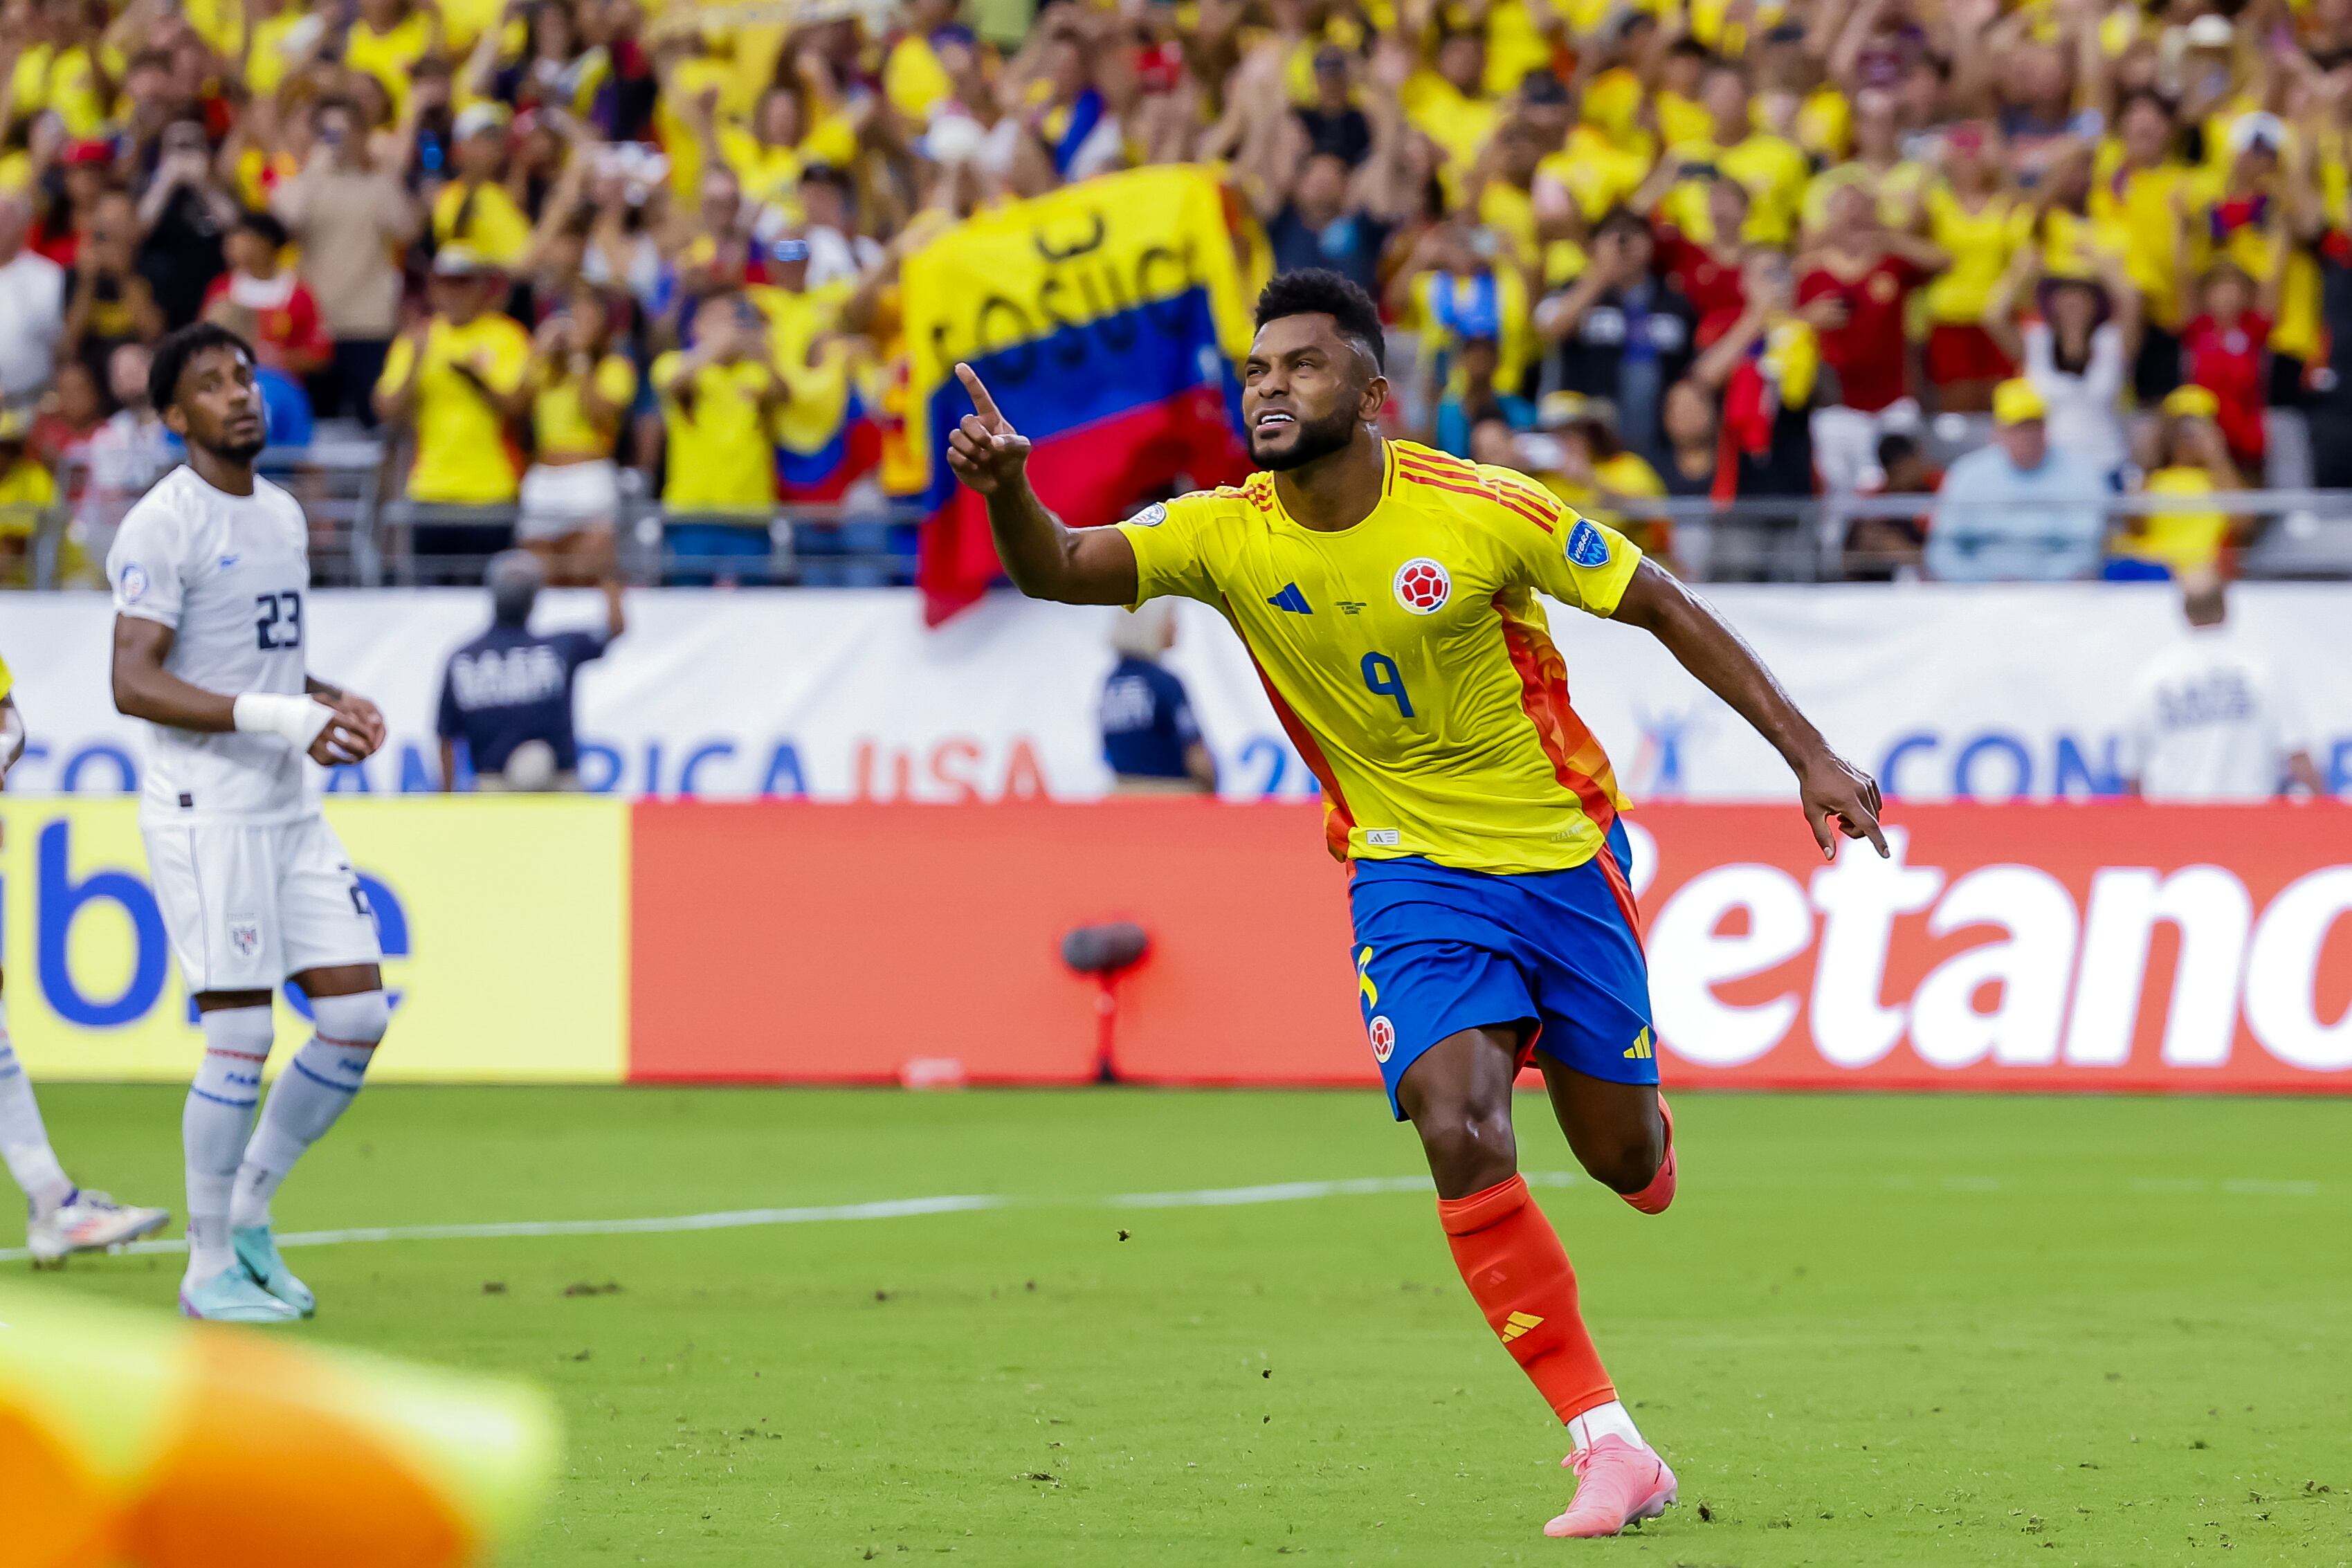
(229,575)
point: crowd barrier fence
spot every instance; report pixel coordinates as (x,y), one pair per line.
(362,533)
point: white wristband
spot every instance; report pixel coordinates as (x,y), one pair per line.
(298,718)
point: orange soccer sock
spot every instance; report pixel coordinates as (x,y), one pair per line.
(1512,1260)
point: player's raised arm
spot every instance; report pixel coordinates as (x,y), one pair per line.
(1044,560)
(1833,789)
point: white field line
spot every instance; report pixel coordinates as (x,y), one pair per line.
(1293,1191)
(734,1219)
(1200,1197)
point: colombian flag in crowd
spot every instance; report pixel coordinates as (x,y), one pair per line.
(825,441)
(1107,318)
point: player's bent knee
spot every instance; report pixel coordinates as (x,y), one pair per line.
(1468,1150)
(359,1019)
(1625,1161)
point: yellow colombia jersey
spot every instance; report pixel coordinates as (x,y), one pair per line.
(1408,657)
(8,682)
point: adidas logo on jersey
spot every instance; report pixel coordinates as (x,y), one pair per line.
(1640,1049)
(1292,600)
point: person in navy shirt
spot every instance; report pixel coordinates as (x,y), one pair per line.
(1150,737)
(506,695)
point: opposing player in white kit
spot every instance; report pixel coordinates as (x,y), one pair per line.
(60,1217)
(210,573)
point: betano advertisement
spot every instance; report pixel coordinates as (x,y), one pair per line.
(2085,946)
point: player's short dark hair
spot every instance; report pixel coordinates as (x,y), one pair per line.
(172,354)
(1320,291)
(1894,446)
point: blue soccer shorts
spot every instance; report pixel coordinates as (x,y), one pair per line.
(1439,951)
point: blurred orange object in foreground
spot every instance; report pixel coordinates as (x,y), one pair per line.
(130,1438)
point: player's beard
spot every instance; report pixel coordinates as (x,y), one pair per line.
(240,453)
(1316,438)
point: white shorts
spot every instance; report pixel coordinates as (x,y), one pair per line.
(248,906)
(564,500)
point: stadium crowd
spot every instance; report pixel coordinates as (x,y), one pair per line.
(562,254)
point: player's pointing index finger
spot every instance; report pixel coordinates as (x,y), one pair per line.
(982,402)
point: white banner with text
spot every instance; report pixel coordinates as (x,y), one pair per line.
(1945,692)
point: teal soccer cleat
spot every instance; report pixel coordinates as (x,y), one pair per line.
(231,1296)
(256,1248)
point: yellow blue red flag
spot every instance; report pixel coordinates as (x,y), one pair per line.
(1107,318)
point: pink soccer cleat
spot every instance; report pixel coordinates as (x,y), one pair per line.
(1653,1198)
(1617,1484)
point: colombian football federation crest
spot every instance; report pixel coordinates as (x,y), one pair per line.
(1383,1037)
(1423,586)
(245,935)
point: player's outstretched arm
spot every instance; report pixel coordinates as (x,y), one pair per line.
(143,688)
(1833,791)
(1044,560)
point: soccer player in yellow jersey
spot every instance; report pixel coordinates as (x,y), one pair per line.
(1388,594)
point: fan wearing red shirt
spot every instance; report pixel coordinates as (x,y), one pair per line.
(1854,290)
(2225,350)
(261,299)
(1709,273)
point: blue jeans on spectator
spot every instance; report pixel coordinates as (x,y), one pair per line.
(854,553)
(707,549)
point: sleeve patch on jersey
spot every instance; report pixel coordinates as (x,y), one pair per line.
(135,583)
(1585,547)
(1152,516)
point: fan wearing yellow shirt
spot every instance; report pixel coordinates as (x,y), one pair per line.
(26,491)
(456,379)
(1772,168)
(2145,197)
(1460,285)
(1972,219)
(1442,103)
(581,386)
(769,158)
(719,400)
(1613,108)
(67,69)
(1898,183)
(914,78)
(475,210)
(1601,479)
(387,40)
(2183,544)
(816,362)
(1680,114)
(1388,596)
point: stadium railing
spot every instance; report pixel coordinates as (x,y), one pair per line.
(362,533)
(2282,534)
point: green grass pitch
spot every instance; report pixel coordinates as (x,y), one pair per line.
(1872,1331)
